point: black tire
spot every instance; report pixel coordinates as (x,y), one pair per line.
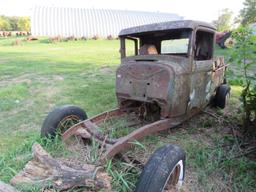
(167,164)
(51,125)
(221,96)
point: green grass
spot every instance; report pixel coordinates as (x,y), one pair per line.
(37,76)
(12,95)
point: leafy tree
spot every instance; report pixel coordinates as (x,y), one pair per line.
(13,23)
(23,24)
(248,13)
(4,24)
(223,23)
(244,54)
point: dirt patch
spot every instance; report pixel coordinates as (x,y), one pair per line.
(28,78)
(48,92)
(30,126)
(3,61)
(47,79)
(14,111)
(191,181)
(106,70)
(58,78)
(20,79)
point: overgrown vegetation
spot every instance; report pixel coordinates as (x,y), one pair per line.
(37,76)
(244,55)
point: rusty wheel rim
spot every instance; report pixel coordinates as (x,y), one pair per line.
(174,180)
(66,123)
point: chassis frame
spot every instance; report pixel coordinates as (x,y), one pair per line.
(89,129)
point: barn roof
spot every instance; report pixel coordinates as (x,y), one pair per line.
(165,26)
(82,22)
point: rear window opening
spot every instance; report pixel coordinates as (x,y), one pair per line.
(175,46)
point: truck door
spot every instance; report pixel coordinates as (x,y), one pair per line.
(201,81)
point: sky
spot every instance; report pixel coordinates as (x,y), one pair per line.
(204,10)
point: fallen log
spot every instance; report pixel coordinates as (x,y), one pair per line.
(47,172)
(6,188)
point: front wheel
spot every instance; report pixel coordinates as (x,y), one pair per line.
(164,171)
(61,119)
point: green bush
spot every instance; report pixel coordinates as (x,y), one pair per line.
(244,55)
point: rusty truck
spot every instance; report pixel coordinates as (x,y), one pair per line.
(168,74)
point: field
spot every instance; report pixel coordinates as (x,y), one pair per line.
(37,76)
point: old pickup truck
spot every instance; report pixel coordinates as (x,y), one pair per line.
(168,74)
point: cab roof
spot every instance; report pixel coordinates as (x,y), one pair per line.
(163,26)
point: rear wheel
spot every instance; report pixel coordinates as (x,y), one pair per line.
(164,171)
(61,119)
(222,96)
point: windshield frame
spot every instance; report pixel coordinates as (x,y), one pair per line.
(158,37)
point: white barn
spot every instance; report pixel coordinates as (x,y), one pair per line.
(81,22)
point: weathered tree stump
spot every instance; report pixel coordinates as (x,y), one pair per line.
(6,188)
(47,172)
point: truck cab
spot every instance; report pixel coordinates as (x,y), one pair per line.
(170,66)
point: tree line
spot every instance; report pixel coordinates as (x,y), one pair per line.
(247,16)
(14,23)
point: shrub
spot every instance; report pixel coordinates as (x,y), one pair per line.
(95,37)
(55,39)
(244,55)
(83,38)
(70,38)
(110,37)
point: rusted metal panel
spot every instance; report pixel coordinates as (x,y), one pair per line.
(143,82)
(180,97)
(200,85)
(155,78)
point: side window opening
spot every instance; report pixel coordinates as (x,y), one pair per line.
(204,46)
(130,47)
